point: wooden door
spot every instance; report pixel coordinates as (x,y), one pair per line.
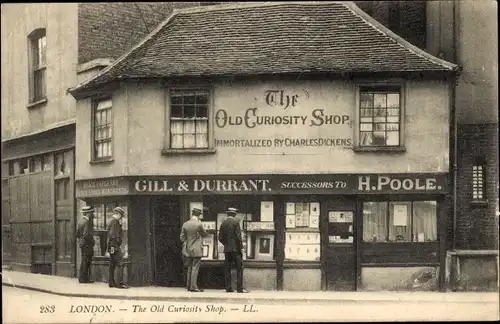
(167,245)
(340,244)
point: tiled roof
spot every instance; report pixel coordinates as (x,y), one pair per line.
(108,30)
(268,38)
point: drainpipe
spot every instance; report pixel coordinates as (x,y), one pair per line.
(453,121)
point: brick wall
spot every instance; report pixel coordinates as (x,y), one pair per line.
(405,18)
(477,226)
(108,30)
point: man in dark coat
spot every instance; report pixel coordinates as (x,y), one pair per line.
(230,237)
(191,236)
(85,237)
(115,234)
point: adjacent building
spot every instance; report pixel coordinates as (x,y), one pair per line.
(328,132)
(46,49)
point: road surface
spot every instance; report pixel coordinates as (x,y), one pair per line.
(26,306)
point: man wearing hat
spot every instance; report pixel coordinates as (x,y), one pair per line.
(230,237)
(85,238)
(115,234)
(192,233)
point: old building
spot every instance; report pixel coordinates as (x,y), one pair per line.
(46,49)
(329,133)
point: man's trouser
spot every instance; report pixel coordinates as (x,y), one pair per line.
(192,272)
(116,259)
(87,254)
(233,257)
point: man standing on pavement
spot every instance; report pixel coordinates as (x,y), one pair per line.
(230,237)
(192,233)
(85,238)
(115,234)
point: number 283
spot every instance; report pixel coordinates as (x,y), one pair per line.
(47,309)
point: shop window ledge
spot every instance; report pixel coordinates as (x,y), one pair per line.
(187,151)
(302,265)
(379,149)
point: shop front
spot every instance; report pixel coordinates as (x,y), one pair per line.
(339,232)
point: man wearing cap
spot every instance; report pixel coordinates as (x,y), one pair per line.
(230,237)
(115,234)
(192,233)
(85,238)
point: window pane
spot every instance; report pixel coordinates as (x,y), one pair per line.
(177,141)
(202,127)
(177,111)
(366,112)
(202,111)
(399,221)
(392,112)
(380,127)
(189,111)
(366,127)
(393,100)
(42,45)
(379,138)
(366,139)
(367,119)
(39,84)
(189,141)
(99,220)
(393,119)
(175,99)
(393,138)
(201,98)
(189,98)
(176,127)
(104,104)
(424,221)
(366,100)
(379,100)
(375,221)
(189,127)
(201,140)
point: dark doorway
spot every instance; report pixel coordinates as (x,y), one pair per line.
(167,245)
(340,249)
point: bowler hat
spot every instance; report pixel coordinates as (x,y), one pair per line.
(196,211)
(119,210)
(232,211)
(87,209)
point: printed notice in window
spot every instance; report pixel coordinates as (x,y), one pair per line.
(400,215)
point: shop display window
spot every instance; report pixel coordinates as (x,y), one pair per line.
(102,217)
(257,230)
(400,221)
(302,237)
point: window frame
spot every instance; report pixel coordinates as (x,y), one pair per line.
(93,154)
(167,146)
(411,218)
(479,161)
(34,98)
(401,84)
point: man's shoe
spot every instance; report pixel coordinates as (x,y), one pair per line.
(122,286)
(111,285)
(229,290)
(196,290)
(243,291)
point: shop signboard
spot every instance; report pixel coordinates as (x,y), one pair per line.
(408,183)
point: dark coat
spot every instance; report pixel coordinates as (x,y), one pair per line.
(230,235)
(115,234)
(191,237)
(84,234)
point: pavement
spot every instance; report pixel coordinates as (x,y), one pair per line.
(70,287)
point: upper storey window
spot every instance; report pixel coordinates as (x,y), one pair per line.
(38,65)
(380,116)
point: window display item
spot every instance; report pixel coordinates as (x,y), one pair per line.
(290,208)
(400,215)
(314,209)
(290,221)
(208,226)
(266,211)
(208,247)
(264,246)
